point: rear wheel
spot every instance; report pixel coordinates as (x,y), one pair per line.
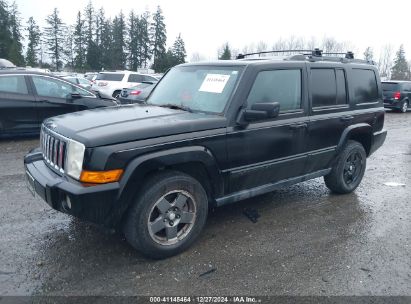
(349,169)
(404,107)
(167,216)
(116,94)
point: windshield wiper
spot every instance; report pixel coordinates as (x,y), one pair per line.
(172,106)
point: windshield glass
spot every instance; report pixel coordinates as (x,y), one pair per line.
(390,86)
(201,88)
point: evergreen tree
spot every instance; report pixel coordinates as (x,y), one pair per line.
(369,54)
(16,47)
(54,38)
(80,45)
(399,71)
(158,40)
(179,51)
(99,51)
(33,37)
(226,53)
(144,47)
(133,41)
(106,44)
(69,51)
(91,58)
(119,43)
(5,34)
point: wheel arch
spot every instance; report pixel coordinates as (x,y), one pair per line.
(361,133)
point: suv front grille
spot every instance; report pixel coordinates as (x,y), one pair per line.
(54,149)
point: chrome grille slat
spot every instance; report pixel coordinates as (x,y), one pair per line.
(53,147)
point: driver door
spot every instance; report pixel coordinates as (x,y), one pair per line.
(54,97)
(272,150)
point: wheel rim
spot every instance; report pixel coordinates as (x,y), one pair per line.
(404,107)
(172,217)
(353,167)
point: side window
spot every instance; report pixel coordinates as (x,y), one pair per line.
(341,87)
(365,85)
(324,87)
(13,84)
(50,87)
(282,86)
(135,78)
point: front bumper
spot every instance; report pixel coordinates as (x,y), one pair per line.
(94,203)
(378,140)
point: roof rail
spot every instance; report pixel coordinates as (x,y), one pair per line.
(313,55)
(315,52)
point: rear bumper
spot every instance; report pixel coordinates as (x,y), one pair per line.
(91,203)
(392,104)
(123,100)
(378,140)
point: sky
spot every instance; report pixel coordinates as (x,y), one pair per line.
(205,25)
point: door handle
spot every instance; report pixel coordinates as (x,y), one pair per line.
(346,118)
(298,126)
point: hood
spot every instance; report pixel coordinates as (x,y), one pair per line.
(106,126)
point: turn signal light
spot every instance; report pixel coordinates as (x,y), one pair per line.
(397,95)
(101,177)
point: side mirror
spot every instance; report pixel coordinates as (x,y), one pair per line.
(258,112)
(72,96)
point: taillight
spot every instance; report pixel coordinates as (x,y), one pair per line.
(397,95)
(102,84)
(135,92)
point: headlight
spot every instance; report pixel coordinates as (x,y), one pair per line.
(75,156)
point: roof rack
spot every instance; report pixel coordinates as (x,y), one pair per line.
(313,55)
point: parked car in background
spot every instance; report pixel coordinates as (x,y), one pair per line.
(111,83)
(136,94)
(81,81)
(27,98)
(397,95)
(6,64)
(91,76)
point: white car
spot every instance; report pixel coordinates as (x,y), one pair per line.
(111,83)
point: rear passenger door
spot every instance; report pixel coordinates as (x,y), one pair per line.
(265,152)
(329,114)
(18,113)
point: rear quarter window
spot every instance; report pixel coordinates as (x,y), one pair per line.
(13,84)
(365,86)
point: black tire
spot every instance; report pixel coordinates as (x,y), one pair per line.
(149,208)
(348,170)
(116,94)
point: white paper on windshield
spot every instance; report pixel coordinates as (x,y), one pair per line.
(214,83)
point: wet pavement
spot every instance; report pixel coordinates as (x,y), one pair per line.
(306,241)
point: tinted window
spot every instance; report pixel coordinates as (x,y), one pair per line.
(110,76)
(283,86)
(365,85)
(390,86)
(135,78)
(324,87)
(50,87)
(341,88)
(13,84)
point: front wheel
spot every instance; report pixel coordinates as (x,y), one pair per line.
(348,170)
(167,216)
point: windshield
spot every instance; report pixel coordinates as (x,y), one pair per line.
(201,88)
(390,86)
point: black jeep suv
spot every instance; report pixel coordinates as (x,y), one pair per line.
(397,95)
(210,134)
